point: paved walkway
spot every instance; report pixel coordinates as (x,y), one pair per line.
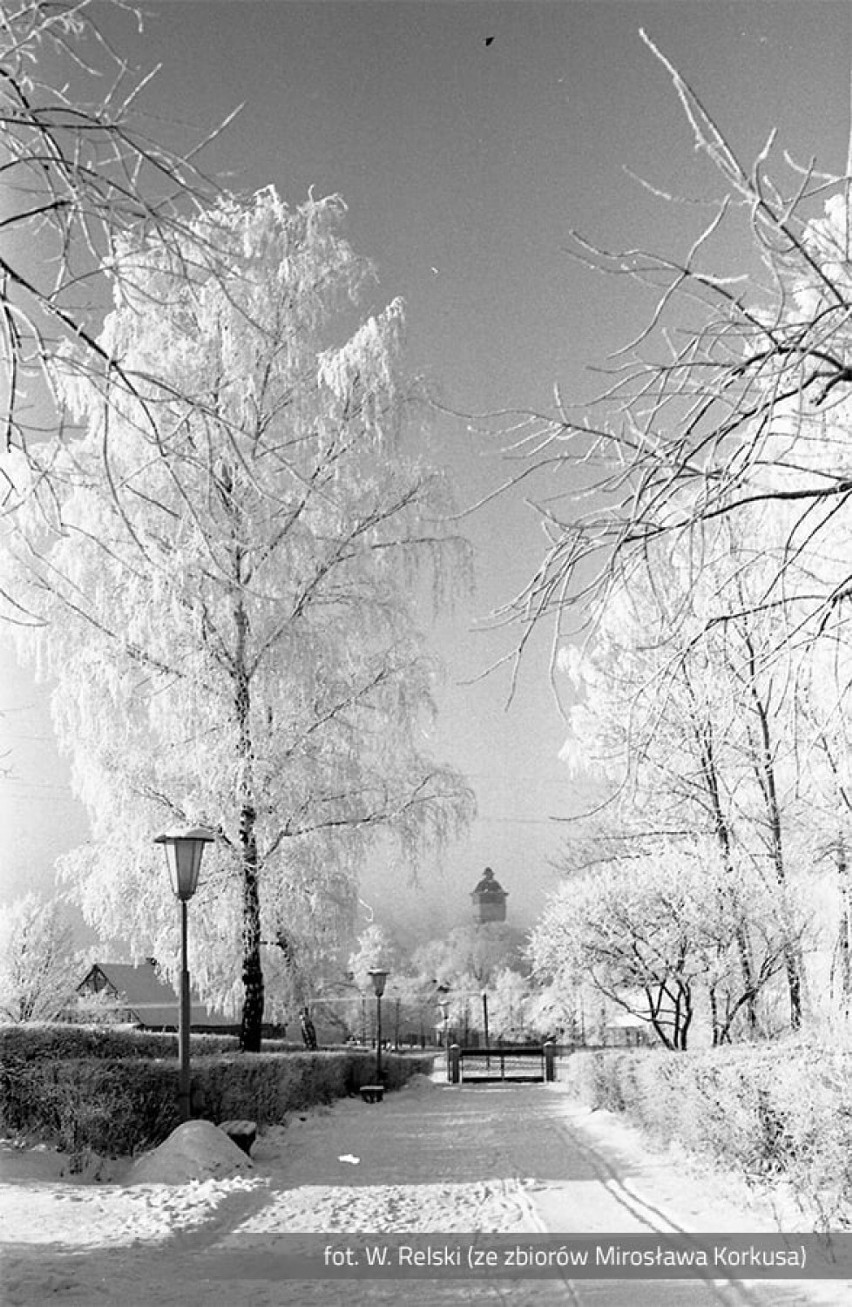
(432,1159)
(494,1159)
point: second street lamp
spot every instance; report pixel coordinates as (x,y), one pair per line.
(183,851)
(378,977)
(485,1026)
(445,1013)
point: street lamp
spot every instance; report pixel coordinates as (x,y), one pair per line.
(378,977)
(485,1024)
(445,1013)
(183,851)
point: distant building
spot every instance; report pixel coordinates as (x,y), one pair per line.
(627,1031)
(140,996)
(489,899)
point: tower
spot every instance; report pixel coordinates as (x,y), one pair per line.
(489,899)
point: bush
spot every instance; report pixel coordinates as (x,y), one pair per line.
(100,1105)
(61,1041)
(780,1112)
(115,1105)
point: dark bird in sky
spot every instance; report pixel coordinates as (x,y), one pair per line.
(488,40)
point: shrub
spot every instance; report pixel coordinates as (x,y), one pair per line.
(779,1112)
(90,1104)
(117,1105)
(61,1041)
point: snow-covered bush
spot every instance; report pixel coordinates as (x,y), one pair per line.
(119,1105)
(779,1114)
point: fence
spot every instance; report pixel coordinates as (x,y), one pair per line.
(475,1065)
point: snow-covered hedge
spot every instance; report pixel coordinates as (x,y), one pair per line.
(778,1113)
(119,1105)
(62,1040)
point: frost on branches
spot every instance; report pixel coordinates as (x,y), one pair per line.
(698,586)
(734,395)
(38,968)
(80,172)
(220,573)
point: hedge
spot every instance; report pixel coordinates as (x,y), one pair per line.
(775,1113)
(116,1105)
(62,1041)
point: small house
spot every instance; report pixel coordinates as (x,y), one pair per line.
(142,997)
(627,1031)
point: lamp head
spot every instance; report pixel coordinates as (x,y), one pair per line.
(183,850)
(378,977)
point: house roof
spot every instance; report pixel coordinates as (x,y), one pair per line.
(151,999)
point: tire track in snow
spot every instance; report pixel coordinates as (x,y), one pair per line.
(654,1218)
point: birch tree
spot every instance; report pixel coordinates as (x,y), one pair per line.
(825,704)
(227,564)
(692,720)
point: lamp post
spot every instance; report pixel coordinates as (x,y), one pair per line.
(485,1025)
(378,977)
(183,851)
(445,1013)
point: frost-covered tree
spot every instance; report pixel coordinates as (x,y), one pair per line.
(631,936)
(227,565)
(37,964)
(653,932)
(508,1005)
(694,722)
(375,950)
(726,415)
(470,955)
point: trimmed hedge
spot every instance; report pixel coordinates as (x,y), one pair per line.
(117,1105)
(61,1041)
(98,1105)
(265,1086)
(775,1113)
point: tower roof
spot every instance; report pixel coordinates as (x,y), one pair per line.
(489,887)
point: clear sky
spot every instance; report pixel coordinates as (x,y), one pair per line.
(467,140)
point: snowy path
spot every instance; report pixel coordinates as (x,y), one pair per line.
(433,1158)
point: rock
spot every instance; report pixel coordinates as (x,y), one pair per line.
(196,1150)
(243,1133)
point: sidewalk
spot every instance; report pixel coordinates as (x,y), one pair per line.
(519,1160)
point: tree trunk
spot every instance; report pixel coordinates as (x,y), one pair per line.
(654,1014)
(707,753)
(843,954)
(685,1017)
(765,768)
(252,974)
(299,996)
(253,988)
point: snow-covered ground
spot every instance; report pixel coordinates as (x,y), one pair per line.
(432,1158)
